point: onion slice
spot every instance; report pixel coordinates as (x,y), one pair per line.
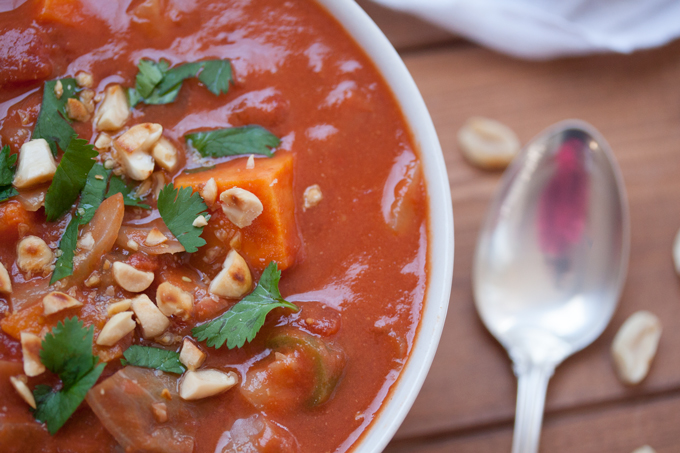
(104,228)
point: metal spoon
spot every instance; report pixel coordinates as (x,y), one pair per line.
(551,259)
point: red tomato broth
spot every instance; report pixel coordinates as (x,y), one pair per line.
(352,272)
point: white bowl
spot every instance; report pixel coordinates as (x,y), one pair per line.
(398,402)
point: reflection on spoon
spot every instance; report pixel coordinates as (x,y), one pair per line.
(563,206)
(551,259)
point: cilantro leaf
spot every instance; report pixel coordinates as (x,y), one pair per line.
(172,82)
(133,97)
(178,209)
(234,141)
(244,320)
(156,84)
(7,166)
(66,351)
(70,177)
(67,244)
(55,408)
(216,76)
(150,74)
(93,193)
(149,357)
(7,192)
(52,124)
(90,199)
(7,169)
(117,185)
(156,98)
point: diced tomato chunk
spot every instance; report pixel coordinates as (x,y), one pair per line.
(143,262)
(23,58)
(273,235)
(67,12)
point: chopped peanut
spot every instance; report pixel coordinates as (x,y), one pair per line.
(22,389)
(103,141)
(114,112)
(172,300)
(31,344)
(118,307)
(234,280)
(204,383)
(168,338)
(58,89)
(133,149)
(143,189)
(84,79)
(87,98)
(209,192)
(86,242)
(131,279)
(93,280)
(36,164)
(5,281)
(191,356)
(165,154)
(160,412)
(132,245)
(312,196)
(76,110)
(240,206)
(250,164)
(33,255)
(158,183)
(155,237)
(140,137)
(55,302)
(200,221)
(152,320)
(235,241)
(116,328)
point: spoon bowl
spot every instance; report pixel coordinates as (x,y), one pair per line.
(551,259)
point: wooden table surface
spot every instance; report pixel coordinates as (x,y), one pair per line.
(467,403)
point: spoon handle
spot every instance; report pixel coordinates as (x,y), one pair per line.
(532,385)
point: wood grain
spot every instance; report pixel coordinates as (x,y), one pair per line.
(635,102)
(619,428)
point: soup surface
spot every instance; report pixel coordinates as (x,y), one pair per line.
(299,162)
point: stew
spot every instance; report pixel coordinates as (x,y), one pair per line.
(214,228)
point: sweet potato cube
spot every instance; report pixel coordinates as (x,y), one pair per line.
(29,320)
(273,235)
(12,214)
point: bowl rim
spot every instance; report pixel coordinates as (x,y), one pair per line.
(393,70)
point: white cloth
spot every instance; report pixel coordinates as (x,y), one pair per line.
(540,29)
